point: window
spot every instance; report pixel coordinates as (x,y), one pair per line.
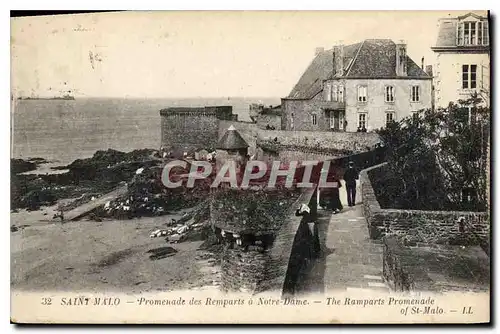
(467,32)
(472,33)
(314,119)
(362,120)
(291,122)
(472,115)
(334,93)
(486,37)
(328,91)
(341,93)
(469,76)
(414,115)
(389,117)
(480,33)
(389,94)
(415,93)
(362,93)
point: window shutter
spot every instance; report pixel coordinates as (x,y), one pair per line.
(485,77)
(486,37)
(459,39)
(479,27)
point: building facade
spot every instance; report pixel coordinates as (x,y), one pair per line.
(463,59)
(268,118)
(192,129)
(359,86)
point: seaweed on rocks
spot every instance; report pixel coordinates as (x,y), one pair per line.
(101,173)
(18,166)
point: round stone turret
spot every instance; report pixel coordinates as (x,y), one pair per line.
(232,146)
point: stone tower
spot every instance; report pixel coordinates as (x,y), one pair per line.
(233,147)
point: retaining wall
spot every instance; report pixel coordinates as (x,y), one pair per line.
(437,227)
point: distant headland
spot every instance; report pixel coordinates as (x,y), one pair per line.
(64,97)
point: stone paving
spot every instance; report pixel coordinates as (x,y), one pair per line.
(350,260)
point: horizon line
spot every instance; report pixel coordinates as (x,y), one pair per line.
(151,97)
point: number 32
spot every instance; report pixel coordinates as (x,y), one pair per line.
(46,301)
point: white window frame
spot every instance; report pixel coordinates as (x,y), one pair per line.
(314,119)
(393,117)
(362,98)
(328,91)
(334,93)
(389,94)
(414,114)
(480,32)
(365,119)
(341,93)
(469,80)
(415,93)
(485,33)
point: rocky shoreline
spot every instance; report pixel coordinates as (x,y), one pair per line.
(181,215)
(83,178)
(18,166)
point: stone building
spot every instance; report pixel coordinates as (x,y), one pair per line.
(232,147)
(463,58)
(267,118)
(364,84)
(193,129)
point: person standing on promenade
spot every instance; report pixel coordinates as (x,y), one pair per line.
(350,177)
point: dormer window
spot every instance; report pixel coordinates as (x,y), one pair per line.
(472,33)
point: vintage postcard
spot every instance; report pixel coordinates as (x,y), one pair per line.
(327,167)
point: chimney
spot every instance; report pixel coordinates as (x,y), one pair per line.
(401,63)
(338,60)
(423,68)
(428,70)
(318,50)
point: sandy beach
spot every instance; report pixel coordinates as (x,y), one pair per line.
(102,256)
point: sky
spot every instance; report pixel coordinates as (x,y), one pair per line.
(195,54)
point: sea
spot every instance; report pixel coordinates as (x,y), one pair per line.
(62,131)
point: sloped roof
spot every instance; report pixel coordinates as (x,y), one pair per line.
(232,140)
(321,68)
(373,58)
(377,59)
(447,34)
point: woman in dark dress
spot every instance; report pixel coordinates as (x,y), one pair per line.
(335,198)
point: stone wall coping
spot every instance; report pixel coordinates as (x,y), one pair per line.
(268,145)
(374,205)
